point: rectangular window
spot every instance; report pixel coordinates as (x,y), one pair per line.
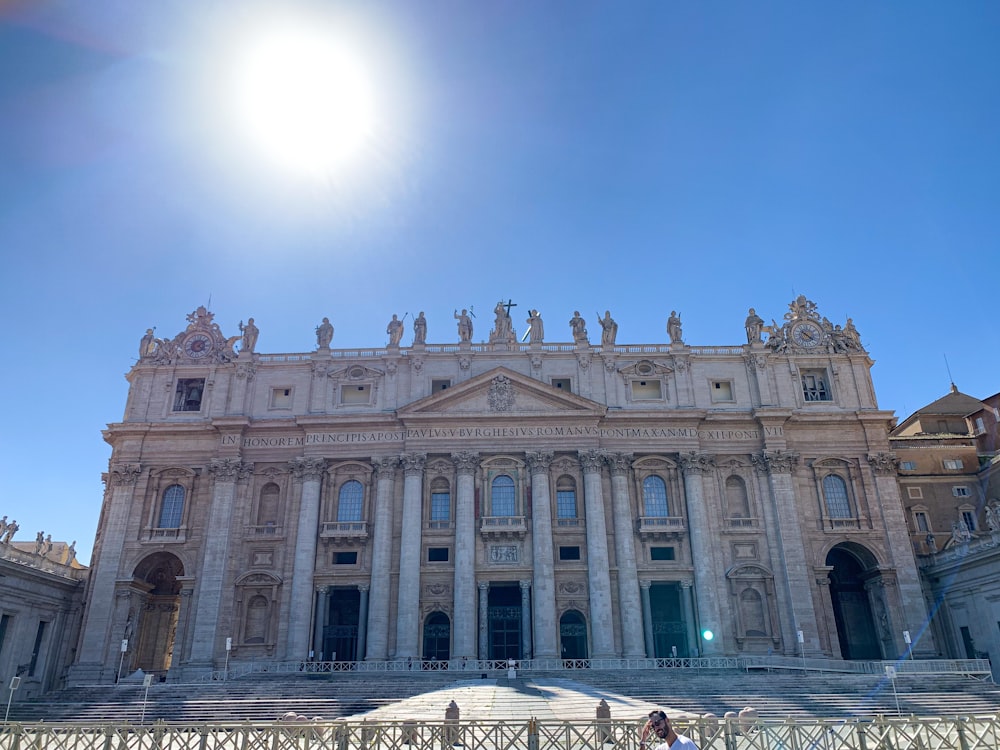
(566,504)
(189,393)
(722,390)
(960,491)
(562,384)
(661,553)
(953,463)
(437,554)
(920,519)
(569,553)
(4,622)
(814,385)
(356,394)
(915,493)
(908,465)
(970,519)
(345,558)
(980,426)
(440,510)
(440,385)
(281,398)
(37,648)
(647,390)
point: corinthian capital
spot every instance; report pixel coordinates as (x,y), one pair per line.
(619,463)
(307,467)
(697,462)
(229,469)
(884,463)
(124,474)
(466,462)
(538,460)
(413,463)
(775,462)
(591,460)
(385,466)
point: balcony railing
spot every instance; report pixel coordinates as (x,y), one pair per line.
(267,529)
(742,523)
(662,525)
(344,531)
(503,526)
(178,534)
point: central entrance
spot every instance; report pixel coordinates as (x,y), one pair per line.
(504,620)
(669,627)
(340,636)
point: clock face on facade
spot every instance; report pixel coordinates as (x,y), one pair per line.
(197,345)
(807,335)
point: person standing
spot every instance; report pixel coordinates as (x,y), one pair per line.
(664,736)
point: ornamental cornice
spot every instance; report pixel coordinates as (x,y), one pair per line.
(466,462)
(591,460)
(885,464)
(696,462)
(125,474)
(413,464)
(307,467)
(775,462)
(619,463)
(539,460)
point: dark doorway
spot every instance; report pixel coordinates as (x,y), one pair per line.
(340,636)
(152,628)
(573,635)
(852,608)
(504,615)
(669,627)
(437,637)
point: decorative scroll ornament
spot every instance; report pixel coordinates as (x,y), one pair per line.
(465,461)
(538,460)
(591,460)
(413,463)
(229,469)
(320,369)
(501,394)
(884,463)
(246,370)
(385,465)
(536,361)
(305,468)
(619,463)
(775,462)
(125,474)
(697,462)
(583,360)
(465,362)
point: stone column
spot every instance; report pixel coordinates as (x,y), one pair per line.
(184,617)
(408,609)
(544,609)
(99,647)
(827,620)
(322,611)
(629,605)
(708,578)
(778,465)
(308,471)
(599,579)
(484,614)
(525,619)
(687,605)
(911,613)
(378,605)
(465,555)
(362,622)
(647,618)
(213,566)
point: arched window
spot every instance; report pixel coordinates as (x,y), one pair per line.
(752,612)
(267,509)
(172,508)
(502,496)
(654,496)
(565,499)
(835,494)
(440,504)
(256,626)
(349,501)
(736,498)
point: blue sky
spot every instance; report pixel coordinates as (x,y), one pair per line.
(638,157)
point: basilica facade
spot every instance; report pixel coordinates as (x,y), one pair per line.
(467,501)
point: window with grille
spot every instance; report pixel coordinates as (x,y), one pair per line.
(440,507)
(172,508)
(654,495)
(349,501)
(835,494)
(502,496)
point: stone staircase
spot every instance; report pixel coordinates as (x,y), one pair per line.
(265,698)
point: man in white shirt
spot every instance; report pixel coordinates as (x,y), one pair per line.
(659,725)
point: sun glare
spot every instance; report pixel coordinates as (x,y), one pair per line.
(305,99)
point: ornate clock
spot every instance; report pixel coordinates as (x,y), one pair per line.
(807,335)
(197,345)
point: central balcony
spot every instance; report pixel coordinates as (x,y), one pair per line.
(662,527)
(503,527)
(342,532)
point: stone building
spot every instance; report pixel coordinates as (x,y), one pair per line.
(464,501)
(41,604)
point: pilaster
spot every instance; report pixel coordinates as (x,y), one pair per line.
(464,639)
(708,579)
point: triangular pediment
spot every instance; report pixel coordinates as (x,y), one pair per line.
(503,393)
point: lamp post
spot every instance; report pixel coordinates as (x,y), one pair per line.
(15,683)
(890,672)
(801,638)
(906,639)
(229,647)
(121,661)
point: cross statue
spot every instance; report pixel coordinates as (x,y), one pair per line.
(509,304)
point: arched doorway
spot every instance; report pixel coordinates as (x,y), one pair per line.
(156,624)
(573,635)
(437,637)
(853,567)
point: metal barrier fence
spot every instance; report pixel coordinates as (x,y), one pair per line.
(965,667)
(881,733)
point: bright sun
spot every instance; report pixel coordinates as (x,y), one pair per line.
(305,98)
